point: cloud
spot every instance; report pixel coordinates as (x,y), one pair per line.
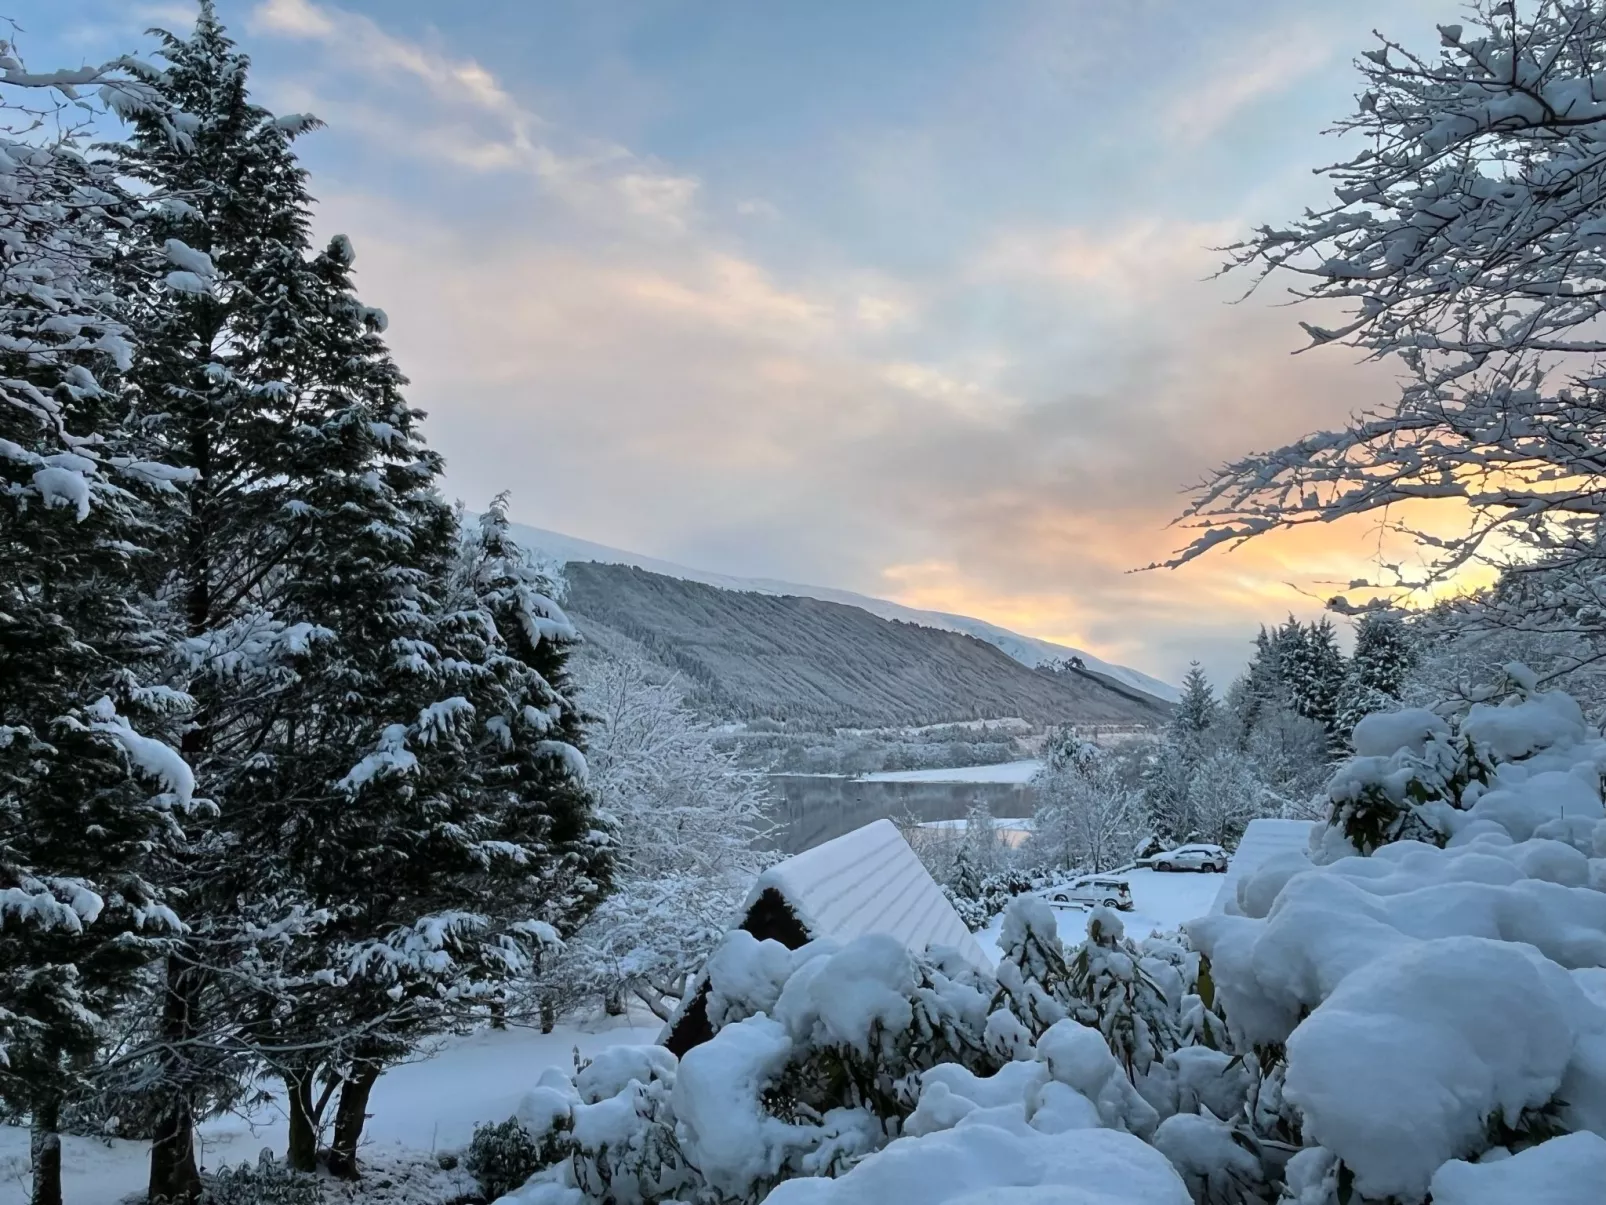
(473,119)
(1267,65)
(1004,434)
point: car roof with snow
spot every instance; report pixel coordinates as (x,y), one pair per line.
(866,881)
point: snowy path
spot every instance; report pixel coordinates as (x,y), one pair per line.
(1160,901)
(424,1106)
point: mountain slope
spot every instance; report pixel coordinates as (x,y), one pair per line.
(818,664)
(1028,650)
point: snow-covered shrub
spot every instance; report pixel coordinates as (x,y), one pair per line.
(1034,980)
(1118,993)
(503,1155)
(1417,776)
(1437,1000)
(269,1182)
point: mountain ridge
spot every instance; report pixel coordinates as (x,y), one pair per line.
(1030,651)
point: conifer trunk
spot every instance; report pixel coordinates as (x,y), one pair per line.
(175,1179)
(45,1152)
(350,1115)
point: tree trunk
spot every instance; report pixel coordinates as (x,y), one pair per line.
(549,1015)
(301,1153)
(613,1003)
(45,1153)
(175,1180)
(350,1115)
(498,1015)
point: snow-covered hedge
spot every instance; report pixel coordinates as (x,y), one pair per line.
(1426,1017)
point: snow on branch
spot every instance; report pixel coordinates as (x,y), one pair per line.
(1467,239)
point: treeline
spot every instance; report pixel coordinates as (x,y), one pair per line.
(288,775)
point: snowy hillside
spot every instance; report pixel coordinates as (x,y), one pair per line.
(818,665)
(1028,650)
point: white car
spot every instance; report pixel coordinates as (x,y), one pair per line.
(1189,857)
(1091,891)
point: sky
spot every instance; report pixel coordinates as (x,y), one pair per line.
(911,298)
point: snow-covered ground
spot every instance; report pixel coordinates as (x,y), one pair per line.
(1009,771)
(1160,901)
(420,1107)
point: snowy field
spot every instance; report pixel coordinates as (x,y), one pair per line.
(417,1108)
(1160,902)
(1009,771)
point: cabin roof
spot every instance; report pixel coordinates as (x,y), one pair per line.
(868,881)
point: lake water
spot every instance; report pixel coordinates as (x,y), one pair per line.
(812,809)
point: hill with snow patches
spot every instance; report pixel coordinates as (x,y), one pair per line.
(818,665)
(760,647)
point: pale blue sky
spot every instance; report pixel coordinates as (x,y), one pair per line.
(903,296)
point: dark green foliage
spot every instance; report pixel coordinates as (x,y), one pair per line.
(269,1182)
(502,1156)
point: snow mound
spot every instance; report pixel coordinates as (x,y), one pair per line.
(988,1164)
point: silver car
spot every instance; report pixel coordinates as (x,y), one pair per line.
(1189,857)
(1092,891)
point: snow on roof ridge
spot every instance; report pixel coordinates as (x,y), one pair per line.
(1264,838)
(869,881)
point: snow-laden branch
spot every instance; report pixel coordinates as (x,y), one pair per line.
(1469,240)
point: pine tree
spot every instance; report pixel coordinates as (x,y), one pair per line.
(86,788)
(1378,668)
(1197,712)
(1167,807)
(225,349)
(1312,668)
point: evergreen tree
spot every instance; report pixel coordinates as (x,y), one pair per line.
(86,787)
(1378,668)
(1197,712)
(225,350)
(382,725)
(1312,669)
(1167,807)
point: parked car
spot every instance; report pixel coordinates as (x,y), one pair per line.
(1092,890)
(1189,857)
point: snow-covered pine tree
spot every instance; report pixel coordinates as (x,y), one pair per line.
(425,789)
(224,351)
(1168,811)
(1312,668)
(87,786)
(1378,669)
(1197,712)
(1259,690)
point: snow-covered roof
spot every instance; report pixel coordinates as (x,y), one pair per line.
(869,881)
(1263,840)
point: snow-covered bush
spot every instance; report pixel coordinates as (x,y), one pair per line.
(268,1182)
(503,1155)
(1441,999)
(1417,776)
